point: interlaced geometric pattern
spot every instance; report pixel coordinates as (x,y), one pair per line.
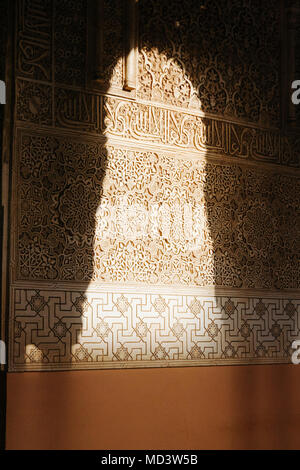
(92,329)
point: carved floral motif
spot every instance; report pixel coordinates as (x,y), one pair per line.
(89,211)
(221,57)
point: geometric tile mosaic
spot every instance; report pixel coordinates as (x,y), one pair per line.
(63,329)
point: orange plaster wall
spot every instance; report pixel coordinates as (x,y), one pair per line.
(175,408)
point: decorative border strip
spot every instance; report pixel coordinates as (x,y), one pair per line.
(134,121)
(61,329)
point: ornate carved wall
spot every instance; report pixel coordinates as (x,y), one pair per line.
(158,226)
(5,47)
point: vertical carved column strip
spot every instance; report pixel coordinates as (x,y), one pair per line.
(131,45)
(99,10)
(291,57)
(6,151)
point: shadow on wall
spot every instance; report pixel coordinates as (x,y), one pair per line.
(97,211)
